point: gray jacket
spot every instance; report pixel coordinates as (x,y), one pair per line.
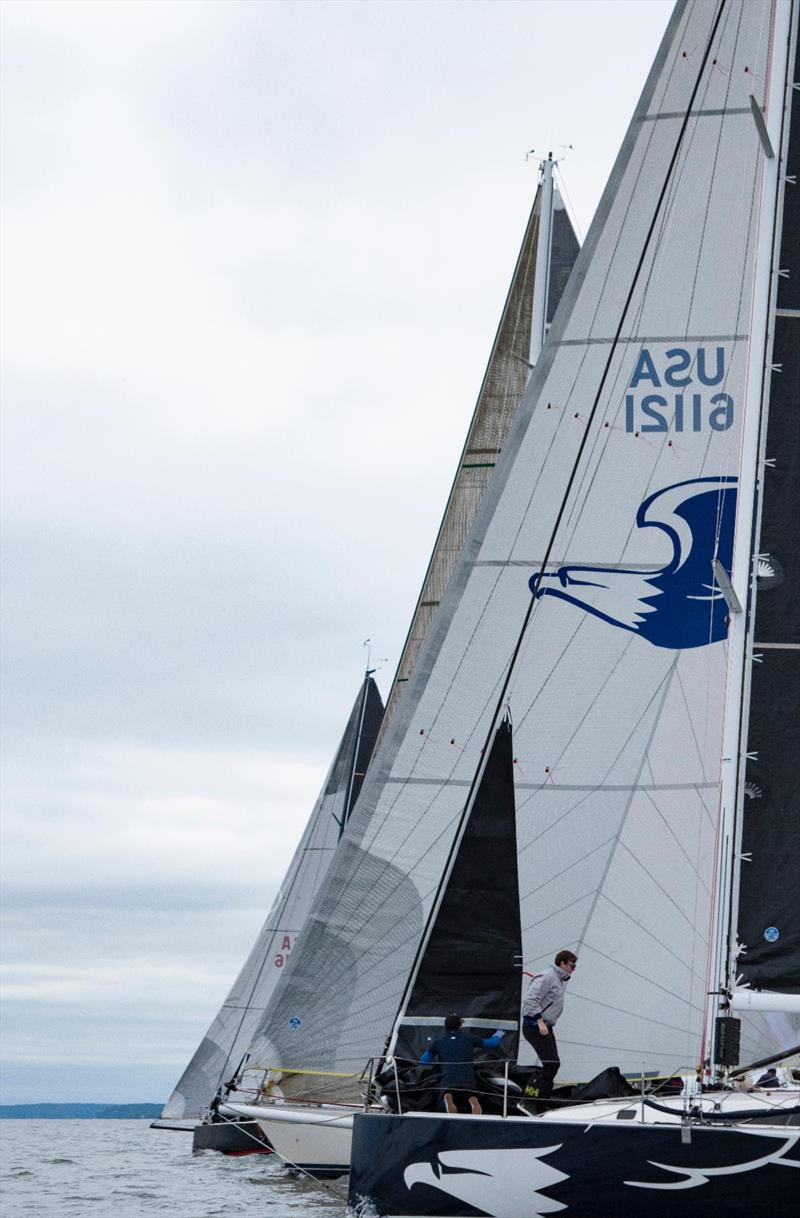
(545,996)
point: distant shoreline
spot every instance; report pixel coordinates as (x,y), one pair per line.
(85,1112)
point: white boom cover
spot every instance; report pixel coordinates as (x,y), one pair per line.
(618,690)
(226,1041)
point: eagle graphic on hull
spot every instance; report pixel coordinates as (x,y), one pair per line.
(680,604)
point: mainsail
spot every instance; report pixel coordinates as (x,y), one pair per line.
(769,910)
(221,1050)
(593,597)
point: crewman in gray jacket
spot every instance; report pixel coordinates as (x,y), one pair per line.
(541,1007)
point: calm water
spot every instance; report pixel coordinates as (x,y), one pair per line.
(124,1169)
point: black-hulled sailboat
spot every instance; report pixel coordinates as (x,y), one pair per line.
(630,590)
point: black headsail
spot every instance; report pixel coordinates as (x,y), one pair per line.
(350,765)
(769,902)
(470,963)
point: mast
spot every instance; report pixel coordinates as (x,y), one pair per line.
(771,120)
(541,279)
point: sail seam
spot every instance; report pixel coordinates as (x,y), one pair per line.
(652,338)
(648,981)
(665,691)
(717,112)
(555,787)
(609,1006)
(679,959)
(606,564)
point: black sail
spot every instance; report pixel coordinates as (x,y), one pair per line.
(471,962)
(769,903)
(564,249)
(350,765)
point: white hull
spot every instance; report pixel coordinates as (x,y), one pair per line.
(673,1110)
(316,1138)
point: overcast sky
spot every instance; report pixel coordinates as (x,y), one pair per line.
(254,257)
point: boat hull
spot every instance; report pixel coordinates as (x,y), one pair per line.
(316,1139)
(321,1150)
(459,1167)
(231,1138)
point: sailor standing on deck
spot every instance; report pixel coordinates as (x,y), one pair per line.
(541,1007)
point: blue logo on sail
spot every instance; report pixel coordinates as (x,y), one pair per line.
(679,605)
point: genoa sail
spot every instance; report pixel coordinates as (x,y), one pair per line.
(221,1050)
(590,597)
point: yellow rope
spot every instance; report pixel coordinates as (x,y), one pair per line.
(291,1070)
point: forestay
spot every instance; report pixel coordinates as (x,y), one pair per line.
(614,495)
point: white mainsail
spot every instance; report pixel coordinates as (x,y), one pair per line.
(220,1052)
(614,497)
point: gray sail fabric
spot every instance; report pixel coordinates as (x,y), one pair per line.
(620,469)
(224,1045)
(503,385)
(564,248)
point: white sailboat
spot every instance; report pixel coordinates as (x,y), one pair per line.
(629,593)
(307,1115)
(211,1073)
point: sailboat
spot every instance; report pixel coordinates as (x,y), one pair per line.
(628,595)
(307,1113)
(209,1076)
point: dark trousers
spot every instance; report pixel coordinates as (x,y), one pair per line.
(546,1050)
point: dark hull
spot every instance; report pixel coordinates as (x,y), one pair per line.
(462,1167)
(231,1138)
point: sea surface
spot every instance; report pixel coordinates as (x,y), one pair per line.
(125,1169)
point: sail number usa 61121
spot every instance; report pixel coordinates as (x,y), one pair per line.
(684,403)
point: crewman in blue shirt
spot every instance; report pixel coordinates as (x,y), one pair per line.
(455,1052)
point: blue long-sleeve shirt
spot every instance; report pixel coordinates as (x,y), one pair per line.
(455,1052)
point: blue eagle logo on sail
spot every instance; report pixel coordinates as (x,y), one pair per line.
(679,605)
